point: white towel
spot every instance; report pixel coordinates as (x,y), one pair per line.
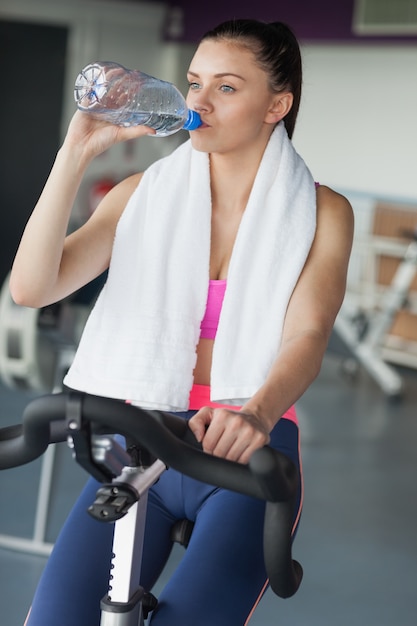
(140,340)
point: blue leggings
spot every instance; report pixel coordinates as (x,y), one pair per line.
(219,580)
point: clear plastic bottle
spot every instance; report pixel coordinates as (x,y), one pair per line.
(126,97)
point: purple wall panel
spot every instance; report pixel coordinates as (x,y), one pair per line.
(319,19)
(311,20)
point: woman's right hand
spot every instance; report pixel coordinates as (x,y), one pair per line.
(92,136)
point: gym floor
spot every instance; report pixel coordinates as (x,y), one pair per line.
(357,539)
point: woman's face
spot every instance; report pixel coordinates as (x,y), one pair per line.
(231,93)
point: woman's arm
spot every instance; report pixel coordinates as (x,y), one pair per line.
(312,311)
(309,320)
(49,265)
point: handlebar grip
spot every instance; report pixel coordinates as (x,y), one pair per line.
(42,424)
(285,574)
(10,432)
(278,473)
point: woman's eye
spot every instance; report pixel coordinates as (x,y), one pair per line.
(193,85)
(227,88)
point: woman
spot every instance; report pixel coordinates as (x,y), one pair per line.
(233,207)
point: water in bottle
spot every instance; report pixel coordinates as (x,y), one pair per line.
(126,97)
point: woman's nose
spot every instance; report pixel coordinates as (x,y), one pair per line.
(199,101)
(198,106)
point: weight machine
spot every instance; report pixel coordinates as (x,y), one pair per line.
(364,332)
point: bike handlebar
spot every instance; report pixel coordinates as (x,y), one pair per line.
(269,476)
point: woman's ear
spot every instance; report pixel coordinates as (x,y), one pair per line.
(281,105)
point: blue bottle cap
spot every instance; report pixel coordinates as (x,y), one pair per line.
(193,120)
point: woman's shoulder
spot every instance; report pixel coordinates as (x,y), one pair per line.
(330,200)
(327,195)
(334,209)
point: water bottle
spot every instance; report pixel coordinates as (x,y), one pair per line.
(124,97)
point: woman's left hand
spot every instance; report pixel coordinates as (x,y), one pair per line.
(232,435)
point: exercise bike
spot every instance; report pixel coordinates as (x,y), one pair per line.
(155,440)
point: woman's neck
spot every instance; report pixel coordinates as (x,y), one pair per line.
(231,184)
(232,176)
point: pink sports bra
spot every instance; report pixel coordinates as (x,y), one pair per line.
(211,317)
